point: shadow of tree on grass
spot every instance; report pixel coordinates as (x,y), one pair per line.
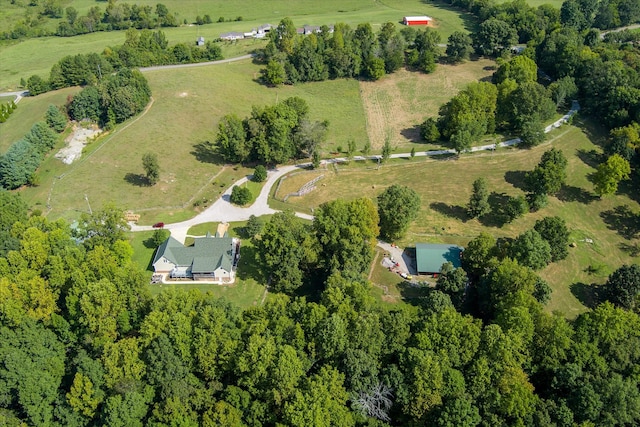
(249,267)
(622,220)
(450,211)
(206,152)
(412,134)
(589,295)
(516,178)
(137,179)
(591,158)
(569,193)
(633,249)
(497,217)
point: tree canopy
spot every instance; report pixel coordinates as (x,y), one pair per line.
(398,206)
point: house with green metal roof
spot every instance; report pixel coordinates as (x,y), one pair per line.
(211,259)
(430,257)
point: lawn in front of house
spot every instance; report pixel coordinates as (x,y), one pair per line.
(247,290)
(445,187)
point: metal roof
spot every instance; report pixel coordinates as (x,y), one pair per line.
(206,255)
(430,257)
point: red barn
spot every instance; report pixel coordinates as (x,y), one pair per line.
(416,20)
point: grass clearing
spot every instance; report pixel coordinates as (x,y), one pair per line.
(445,190)
(178,126)
(396,105)
(31,109)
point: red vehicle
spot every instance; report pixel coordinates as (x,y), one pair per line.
(158,225)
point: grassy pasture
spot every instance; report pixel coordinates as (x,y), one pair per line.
(445,187)
(36,56)
(30,110)
(397,104)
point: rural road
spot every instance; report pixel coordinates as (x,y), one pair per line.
(19,95)
(223,211)
(197,64)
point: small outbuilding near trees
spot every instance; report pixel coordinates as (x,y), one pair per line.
(430,257)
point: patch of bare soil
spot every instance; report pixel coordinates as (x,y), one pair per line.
(76,141)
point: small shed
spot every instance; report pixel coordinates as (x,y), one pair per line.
(416,20)
(200,41)
(430,257)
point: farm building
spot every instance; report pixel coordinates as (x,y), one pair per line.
(416,20)
(232,36)
(430,257)
(211,259)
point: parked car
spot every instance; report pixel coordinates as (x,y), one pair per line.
(158,225)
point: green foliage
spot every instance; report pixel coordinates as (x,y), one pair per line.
(494,37)
(479,201)
(550,174)
(532,133)
(623,287)
(563,91)
(520,69)
(288,250)
(12,210)
(259,174)
(531,250)
(554,230)
(37,85)
(478,253)
(459,47)
(453,282)
(515,208)
(429,131)
(272,134)
(159,236)
(115,98)
(386,150)
(254,226)
(56,119)
(398,206)
(274,74)
(240,195)
(151,167)
(609,175)
(104,228)
(347,232)
(469,115)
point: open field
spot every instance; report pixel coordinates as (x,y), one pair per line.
(30,110)
(396,105)
(36,56)
(178,126)
(445,187)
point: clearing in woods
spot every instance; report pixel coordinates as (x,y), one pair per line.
(397,104)
(445,187)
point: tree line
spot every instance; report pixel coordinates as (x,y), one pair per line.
(116,16)
(19,164)
(83,343)
(6,108)
(140,49)
(344,52)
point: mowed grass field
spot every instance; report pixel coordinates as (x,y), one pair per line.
(178,126)
(36,56)
(445,187)
(397,104)
(30,110)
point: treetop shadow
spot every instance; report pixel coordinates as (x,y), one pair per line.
(450,211)
(623,220)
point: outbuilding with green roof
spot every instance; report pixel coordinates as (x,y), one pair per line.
(430,257)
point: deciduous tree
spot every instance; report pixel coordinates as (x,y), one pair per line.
(459,46)
(479,202)
(398,206)
(554,230)
(609,175)
(623,287)
(151,167)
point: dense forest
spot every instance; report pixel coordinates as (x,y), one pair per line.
(82,342)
